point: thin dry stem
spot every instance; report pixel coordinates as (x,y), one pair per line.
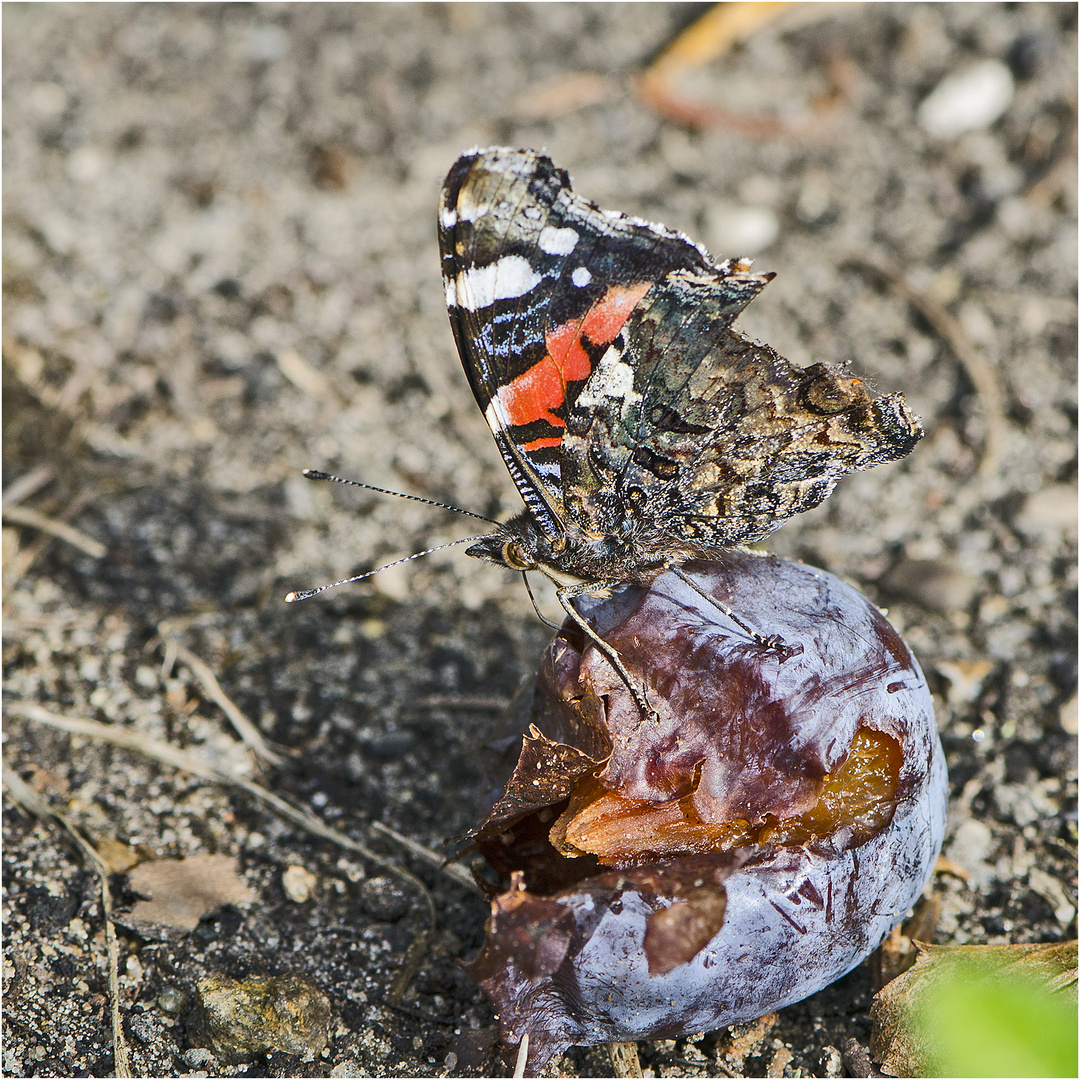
(522,1057)
(248,732)
(624,1059)
(22,793)
(23,515)
(451,869)
(181,759)
(27,484)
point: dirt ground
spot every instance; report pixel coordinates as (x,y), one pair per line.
(220,267)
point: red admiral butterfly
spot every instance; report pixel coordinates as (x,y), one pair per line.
(641,430)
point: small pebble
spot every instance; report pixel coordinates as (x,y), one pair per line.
(383,898)
(198,1057)
(1069,716)
(1050,512)
(348,1067)
(144,1028)
(47,99)
(1051,890)
(171,1001)
(832,1063)
(935,584)
(814,206)
(298,884)
(1031,54)
(780,1058)
(967,100)
(267,42)
(737,231)
(970,848)
(247,1019)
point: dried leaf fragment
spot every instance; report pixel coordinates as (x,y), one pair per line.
(532,933)
(183,891)
(118,856)
(677,934)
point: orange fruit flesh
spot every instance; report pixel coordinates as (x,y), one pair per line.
(860,795)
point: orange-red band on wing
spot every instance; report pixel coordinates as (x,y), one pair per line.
(535,392)
(606,319)
(539,444)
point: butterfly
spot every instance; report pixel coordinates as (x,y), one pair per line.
(640,428)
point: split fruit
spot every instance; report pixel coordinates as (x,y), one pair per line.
(738,851)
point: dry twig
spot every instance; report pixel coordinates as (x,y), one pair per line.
(563,95)
(624,1059)
(248,732)
(189,763)
(721,28)
(25,795)
(522,1057)
(469,702)
(856,1059)
(451,869)
(1055,179)
(23,515)
(981,374)
(27,484)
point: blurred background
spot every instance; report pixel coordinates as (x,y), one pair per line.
(220,268)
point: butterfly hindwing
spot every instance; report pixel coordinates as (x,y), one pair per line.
(690,435)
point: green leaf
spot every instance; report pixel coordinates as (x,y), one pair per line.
(981,1010)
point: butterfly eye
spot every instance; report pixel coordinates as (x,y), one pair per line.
(515,558)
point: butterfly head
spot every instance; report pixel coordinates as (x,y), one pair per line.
(518,545)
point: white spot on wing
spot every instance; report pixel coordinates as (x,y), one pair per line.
(510,277)
(613,378)
(532,213)
(581,277)
(448,217)
(496,416)
(450,288)
(558,241)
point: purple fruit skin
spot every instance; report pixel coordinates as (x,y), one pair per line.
(797,918)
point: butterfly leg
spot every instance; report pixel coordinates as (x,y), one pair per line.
(565,594)
(773,641)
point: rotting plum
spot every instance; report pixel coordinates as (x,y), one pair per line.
(741,850)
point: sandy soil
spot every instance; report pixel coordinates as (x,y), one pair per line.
(220,267)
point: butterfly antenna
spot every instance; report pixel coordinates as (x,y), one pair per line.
(307,594)
(316,474)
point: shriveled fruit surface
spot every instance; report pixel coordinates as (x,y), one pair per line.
(740,850)
(220,267)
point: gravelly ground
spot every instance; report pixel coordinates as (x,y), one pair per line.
(220,267)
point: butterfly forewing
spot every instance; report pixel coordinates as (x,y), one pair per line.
(538,283)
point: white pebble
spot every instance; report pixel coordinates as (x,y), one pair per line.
(85,164)
(967,101)
(47,99)
(267,42)
(736,230)
(298,884)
